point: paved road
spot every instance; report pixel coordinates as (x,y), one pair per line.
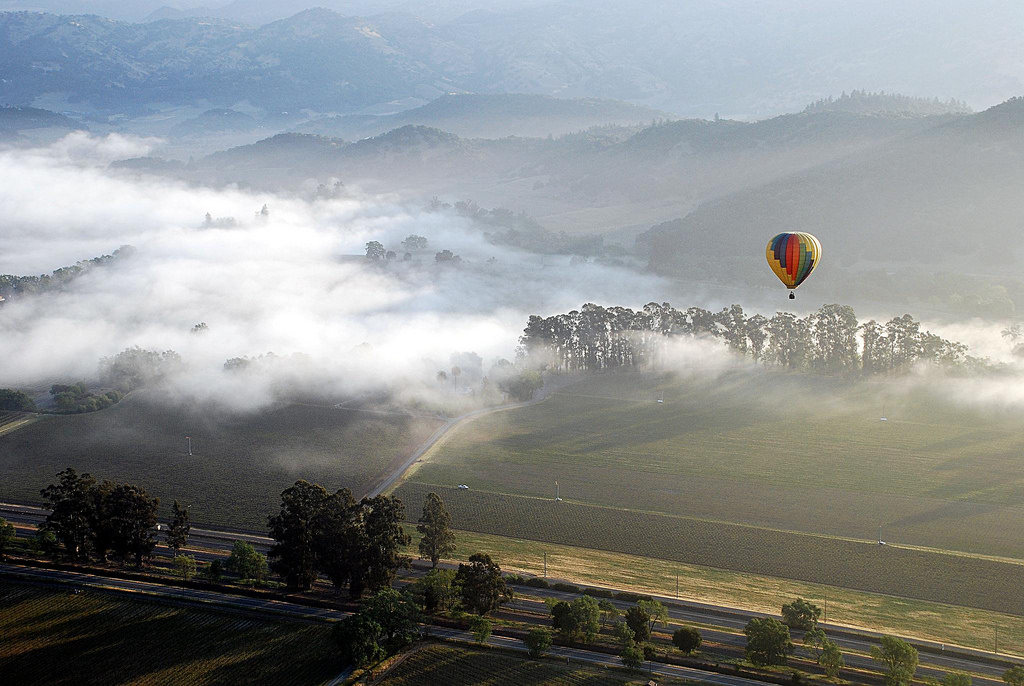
(551,386)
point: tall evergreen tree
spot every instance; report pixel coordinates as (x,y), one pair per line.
(437,540)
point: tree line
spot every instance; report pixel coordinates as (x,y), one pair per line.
(12,287)
(830,340)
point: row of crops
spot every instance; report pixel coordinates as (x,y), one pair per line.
(956,579)
(466,666)
(58,637)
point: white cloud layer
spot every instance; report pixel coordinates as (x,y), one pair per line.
(279,284)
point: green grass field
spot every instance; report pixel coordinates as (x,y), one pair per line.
(782,455)
(54,637)
(939,622)
(458,666)
(240,463)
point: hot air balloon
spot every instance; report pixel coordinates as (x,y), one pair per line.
(793,256)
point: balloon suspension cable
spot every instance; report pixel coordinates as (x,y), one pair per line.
(792,295)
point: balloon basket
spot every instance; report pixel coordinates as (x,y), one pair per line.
(792,296)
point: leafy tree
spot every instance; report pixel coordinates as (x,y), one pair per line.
(815,639)
(177,535)
(293,556)
(337,531)
(215,571)
(898,658)
(395,614)
(414,243)
(562,619)
(383,540)
(7,533)
(609,613)
(656,611)
(438,541)
(45,543)
(436,590)
(538,641)
(638,620)
(247,562)
(375,250)
(481,584)
(800,614)
(623,633)
(14,400)
(687,639)
(957,679)
(632,655)
(831,658)
(587,613)
(480,627)
(132,522)
(1014,675)
(447,257)
(185,565)
(768,641)
(134,368)
(70,507)
(357,636)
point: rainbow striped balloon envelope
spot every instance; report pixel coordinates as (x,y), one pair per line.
(793,256)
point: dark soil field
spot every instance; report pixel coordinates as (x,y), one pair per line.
(55,637)
(240,463)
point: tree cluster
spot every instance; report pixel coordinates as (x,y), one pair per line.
(830,340)
(77,398)
(13,400)
(388,620)
(12,287)
(90,518)
(357,544)
(135,368)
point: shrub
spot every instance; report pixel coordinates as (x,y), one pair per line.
(537,582)
(566,588)
(687,639)
(599,592)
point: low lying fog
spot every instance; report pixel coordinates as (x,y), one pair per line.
(276,284)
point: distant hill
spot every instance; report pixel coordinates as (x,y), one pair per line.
(738,58)
(479,115)
(16,122)
(944,198)
(215,121)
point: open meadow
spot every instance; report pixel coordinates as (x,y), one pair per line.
(57,637)
(240,462)
(771,473)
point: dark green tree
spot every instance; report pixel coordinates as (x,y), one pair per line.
(247,562)
(481,584)
(632,655)
(294,554)
(358,638)
(800,614)
(177,535)
(957,679)
(396,615)
(7,534)
(13,400)
(538,642)
(70,505)
(375,250)
(898,658)
(480,627)
(768,641)
(687,639)
(133,522)
(638,620)
(384,539)
(338,538)
(435,526)
(435,591)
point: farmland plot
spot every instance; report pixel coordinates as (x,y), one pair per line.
(56,637)
(240,463)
